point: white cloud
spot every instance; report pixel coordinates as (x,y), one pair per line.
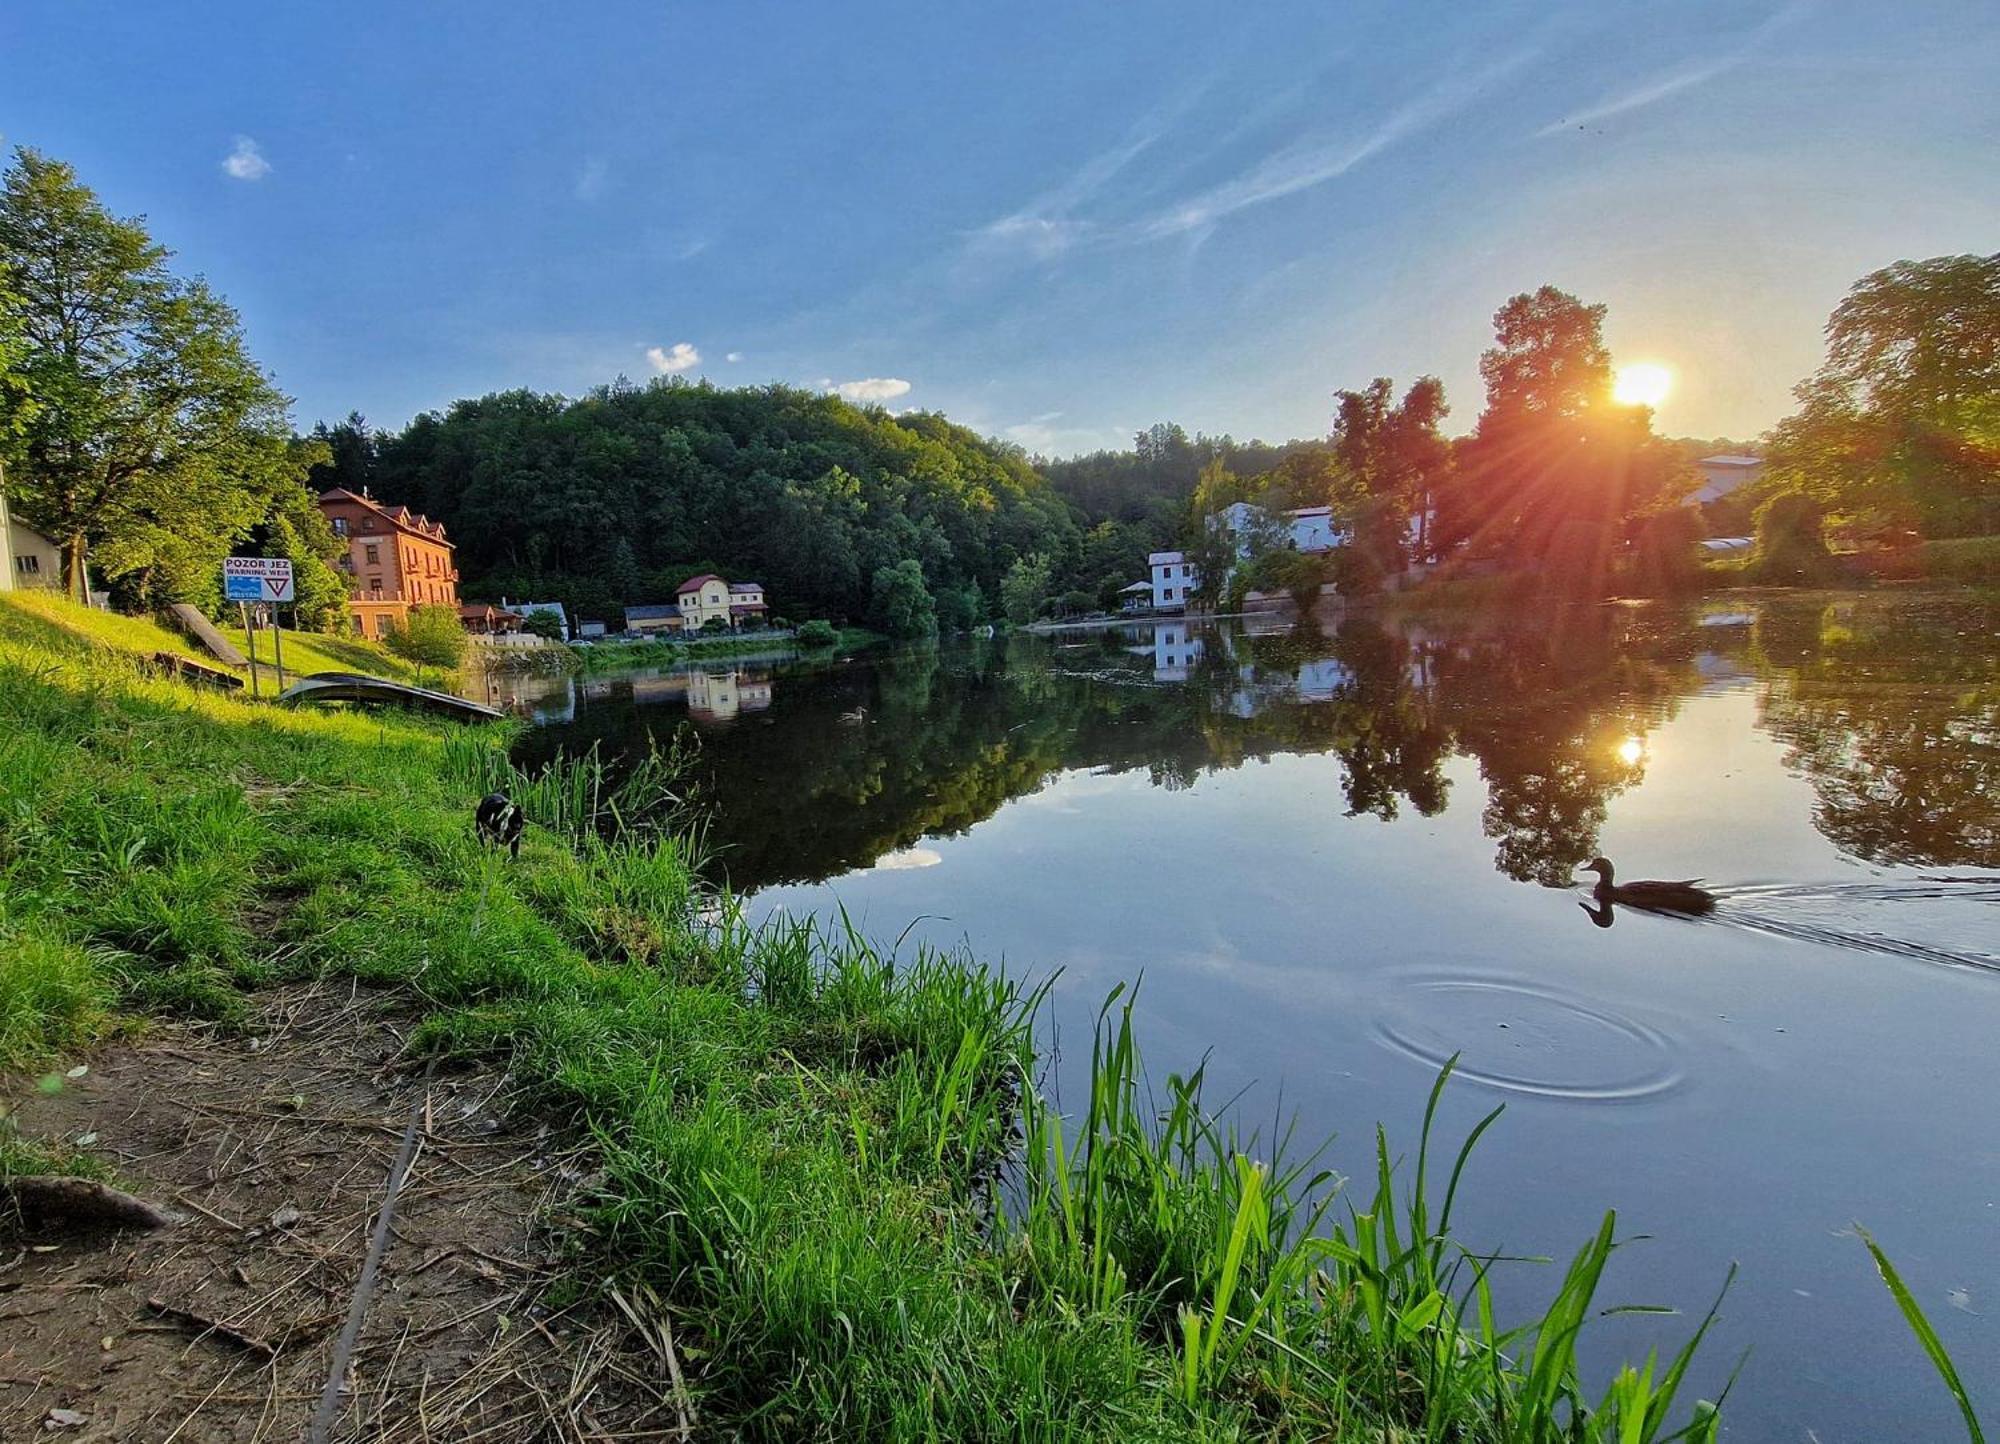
(590,179)
(1312,162)
(734,356)
(674,359)
(872,388)
(1670,83)
(246,162)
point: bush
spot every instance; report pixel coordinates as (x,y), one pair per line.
(432,636)
(903,605)
(1966,559)
(1071,604)
(1665,560)
(546,625)
(1791,542)
(818,633)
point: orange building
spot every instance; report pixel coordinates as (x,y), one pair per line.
(396,560)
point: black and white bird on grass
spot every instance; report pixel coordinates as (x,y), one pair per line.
(499,822)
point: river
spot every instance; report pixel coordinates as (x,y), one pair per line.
(1337,853)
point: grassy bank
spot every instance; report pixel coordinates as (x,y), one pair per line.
(799,1141)
(309,652)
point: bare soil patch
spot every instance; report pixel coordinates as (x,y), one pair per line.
(275,1150)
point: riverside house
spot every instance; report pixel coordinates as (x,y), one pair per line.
(707,598)
(396,559)
(1174,577)
(651,620)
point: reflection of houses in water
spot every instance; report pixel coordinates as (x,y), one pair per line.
(721,696)
(1174,647)
(667,687)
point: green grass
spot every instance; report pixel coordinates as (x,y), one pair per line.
(309,652)
(834,1168)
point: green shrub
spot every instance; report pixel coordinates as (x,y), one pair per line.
(433,635)
(818,633)
(1791,542)
(1963,559)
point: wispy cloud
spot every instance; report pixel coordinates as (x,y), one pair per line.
(674,359)
(1045,226)
(871,388)
(246,162)
(733,356)
(590,178)
(1313,162)
(1050,225)
(1668,83)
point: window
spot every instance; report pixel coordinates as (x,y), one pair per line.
(372,554)
(375,587)
(28,564)
(340,526)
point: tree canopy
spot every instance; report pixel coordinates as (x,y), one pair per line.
(155,439)
(1556,474)
(1901,425)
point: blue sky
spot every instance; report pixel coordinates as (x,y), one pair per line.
(1054,222)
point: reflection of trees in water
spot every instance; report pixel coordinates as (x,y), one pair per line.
(1542,703)
(1892,712)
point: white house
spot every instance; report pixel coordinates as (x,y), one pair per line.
(27,558)
(1174,577)
(1308,529)
(1720,475)
(529,608)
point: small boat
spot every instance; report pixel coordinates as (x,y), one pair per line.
(381,692)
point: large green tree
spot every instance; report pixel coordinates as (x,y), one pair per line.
(156,437)
(1557,475)
(1901,425)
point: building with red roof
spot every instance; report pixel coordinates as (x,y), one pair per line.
(396,559)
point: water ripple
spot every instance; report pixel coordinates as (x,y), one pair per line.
(1528,1038)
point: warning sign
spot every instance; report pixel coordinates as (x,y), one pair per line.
(257,579)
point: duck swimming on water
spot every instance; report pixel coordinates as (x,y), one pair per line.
(1660,897)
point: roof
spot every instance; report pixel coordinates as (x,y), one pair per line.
(526,607)
(746,586)
(1311,511)
(481,609)
(1731,459)
(1138,587)
(397,516)
(1159,559)
(693,584)
(651,612)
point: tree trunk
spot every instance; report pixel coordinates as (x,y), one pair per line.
(78,580)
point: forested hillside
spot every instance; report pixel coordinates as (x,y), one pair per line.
(618,496)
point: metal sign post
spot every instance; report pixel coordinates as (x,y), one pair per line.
(266,581)
(278,645)
(250,640)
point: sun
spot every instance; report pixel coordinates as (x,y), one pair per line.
(1641,383)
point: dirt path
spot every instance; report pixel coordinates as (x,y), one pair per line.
(276,1150)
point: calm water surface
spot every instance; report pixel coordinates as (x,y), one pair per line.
(1340,852)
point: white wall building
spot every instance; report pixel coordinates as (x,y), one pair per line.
(1174,577)
(1309,529)
(1720,475)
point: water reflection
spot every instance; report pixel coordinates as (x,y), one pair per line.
(1889,707)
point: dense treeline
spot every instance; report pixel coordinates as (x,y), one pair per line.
(618,496)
